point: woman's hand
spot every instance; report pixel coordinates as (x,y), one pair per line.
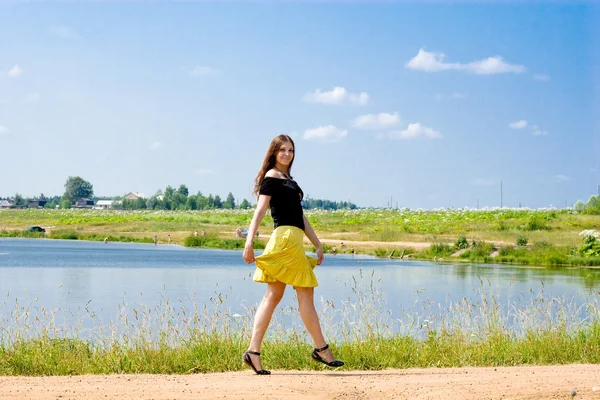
(320,255)
(248,253)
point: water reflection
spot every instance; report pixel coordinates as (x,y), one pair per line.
(103,277)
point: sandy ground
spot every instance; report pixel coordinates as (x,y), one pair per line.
(369,243)
(548,382)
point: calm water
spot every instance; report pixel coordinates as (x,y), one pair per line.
(68,274)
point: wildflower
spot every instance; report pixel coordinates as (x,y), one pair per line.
(589,232)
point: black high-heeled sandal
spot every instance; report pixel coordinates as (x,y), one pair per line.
(248,361)
(317,357)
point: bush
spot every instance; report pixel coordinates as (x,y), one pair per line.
(483,249)
(439,250)
(502,226)
(461,243)
(214,242)
(480,251)
(522,240)
(591,245)
(536,223)
(60,234)
(515,252)
(592,206)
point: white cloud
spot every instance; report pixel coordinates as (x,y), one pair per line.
(414,131)
(156,145)
(3,130)
(338,95)
(457,95)
(493,65)
(562,178)
(541,77)
(32,98)
(434,62)
(15,71)
(376,121)
(537,131)
(327,133)
(205,171)
(64,32)
(483,182)
(518,124)
(199,71)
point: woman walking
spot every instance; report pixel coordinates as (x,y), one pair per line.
(283,262)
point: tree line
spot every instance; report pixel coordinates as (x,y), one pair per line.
(591,207)
(170,199)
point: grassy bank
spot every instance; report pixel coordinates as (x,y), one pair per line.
(208,241)
(516,236)
(170,338)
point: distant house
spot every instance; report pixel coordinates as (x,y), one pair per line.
(104,204)
(36,203)
(133,196)
(84,203)
(7,204)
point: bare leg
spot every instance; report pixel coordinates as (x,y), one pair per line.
(306,305)
(263,316)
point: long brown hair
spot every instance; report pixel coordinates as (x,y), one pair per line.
(270,158)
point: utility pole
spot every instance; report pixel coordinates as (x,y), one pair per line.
(501,194)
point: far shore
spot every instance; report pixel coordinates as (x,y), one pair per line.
(502,236)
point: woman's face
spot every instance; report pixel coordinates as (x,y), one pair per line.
(285,154)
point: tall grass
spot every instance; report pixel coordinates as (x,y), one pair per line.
(175,338)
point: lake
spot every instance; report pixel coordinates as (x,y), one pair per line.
(73,275)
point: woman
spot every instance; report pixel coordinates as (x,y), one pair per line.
(283,262)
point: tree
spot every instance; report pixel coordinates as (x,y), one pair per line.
(217,203)
(229,202)
(140,204)
(19,200)
(245,204)
(169,191)
(183,190)
(190,203)
(77,188)
(201,202)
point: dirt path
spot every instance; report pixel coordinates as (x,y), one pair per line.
(370,243)
(549,382)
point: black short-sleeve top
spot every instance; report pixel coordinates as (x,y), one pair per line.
(286,198)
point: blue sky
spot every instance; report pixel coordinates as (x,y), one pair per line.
(425,106)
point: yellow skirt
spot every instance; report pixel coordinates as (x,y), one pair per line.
(284,260)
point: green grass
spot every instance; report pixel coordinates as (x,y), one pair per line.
(172,339)
(212,241)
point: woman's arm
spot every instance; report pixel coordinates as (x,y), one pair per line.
(259,214)
(312,236)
